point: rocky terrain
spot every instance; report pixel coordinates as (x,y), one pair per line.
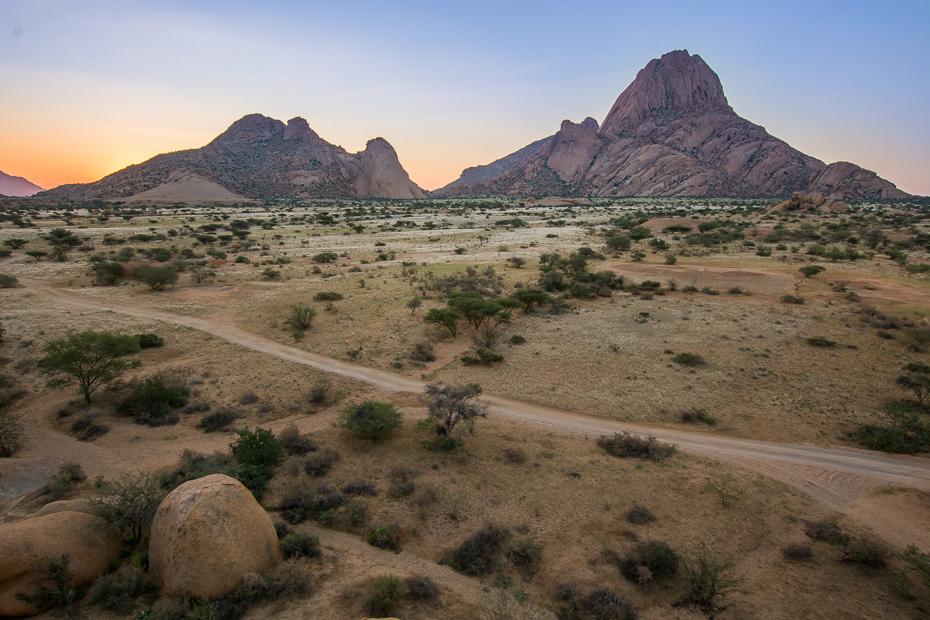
(670,133)
(262,157)
(16,186)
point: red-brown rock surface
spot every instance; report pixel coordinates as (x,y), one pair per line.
(260,157)
(671,133)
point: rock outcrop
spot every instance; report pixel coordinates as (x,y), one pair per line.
(257,157)
(804,202)
(670,133)
(207,535)
(16,186)
(86,539)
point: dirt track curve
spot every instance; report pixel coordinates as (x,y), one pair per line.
(834,477)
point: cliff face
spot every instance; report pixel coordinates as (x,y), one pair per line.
(260,157)
(673,133)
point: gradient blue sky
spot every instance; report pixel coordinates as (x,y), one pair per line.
(90,86)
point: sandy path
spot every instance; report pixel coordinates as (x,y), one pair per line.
(835,477)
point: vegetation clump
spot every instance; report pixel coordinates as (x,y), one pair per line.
(625,444)
(371,419)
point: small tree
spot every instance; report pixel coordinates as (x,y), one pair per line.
(300,317)
(531,297)
(917,383)
(809,271)
(156,278)
(444,318)
(371,419)
(708,580)
(88,359)
(449,405)
(129,503)
(414,305)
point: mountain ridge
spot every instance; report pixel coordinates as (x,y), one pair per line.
(17,186)
(262,157)
(672,132)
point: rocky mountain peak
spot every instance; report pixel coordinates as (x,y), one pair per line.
(675,85)
(298,129)
(251,128)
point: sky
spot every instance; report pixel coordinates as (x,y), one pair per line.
(88,87)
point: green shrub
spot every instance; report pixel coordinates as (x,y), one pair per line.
(371,419)
(384,594)
(147,341)
(300,317)
(156,278)
(708,581)
(118,591)
(829,532)
(385,536)
(301,545)
(356,513)
(689,359)
(327,296)
(128,503)
(12,435)
(482,552)
(694,415)
(257,448)
(820,341)
(154,401)
(421,588)
(517,339)
(809,271)
(793,299)
(906,430)
(625,444)
(7,281)
(217,421)
(53,586)
(485,358)
(107,273)
(296,503)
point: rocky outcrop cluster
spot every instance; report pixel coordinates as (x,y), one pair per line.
(87,541)
(670,133)
(803,202)
(207,535)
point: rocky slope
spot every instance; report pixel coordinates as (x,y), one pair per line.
(670,133)
(260,157)
(16,186)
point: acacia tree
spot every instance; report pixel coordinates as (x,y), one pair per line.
(449,405)
(88,359)
(442,317)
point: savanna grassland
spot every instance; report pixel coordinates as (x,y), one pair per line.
(676,314)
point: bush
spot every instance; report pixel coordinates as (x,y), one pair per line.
(423,352)
(867,553)
(384,593)
(327,296)
(820,341)
(792,299)
(525,553)
(356,513)
(319,463)
(61,482)
(605,604)
(515,456)
(301,545)
(371,419)
(403,482)
(294,443)
(797,551)
(829,532)
(148,341)
(625,444)
(708,581)
(296,503)
(86,428)
(691,360)
(156,278)
(517,339)
(639,515)
(118,591)
(217,421)
(129,503)
(300,317)
(12,435)
(811,270)
(258,448)
(54,585)
(693,415)
(360,487)
(905,432)
(485,358)
(482,552)
(154,400)
(385,536)
(7,281)
(421,588)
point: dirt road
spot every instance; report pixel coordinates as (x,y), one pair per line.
(834,477)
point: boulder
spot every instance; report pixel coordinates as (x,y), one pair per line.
(68,505)
(86,539)
(207,535)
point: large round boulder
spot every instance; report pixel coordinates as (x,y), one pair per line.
(86,539)
(207,535)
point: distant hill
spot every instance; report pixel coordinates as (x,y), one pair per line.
(670,133)
(258,157)
(17,186)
